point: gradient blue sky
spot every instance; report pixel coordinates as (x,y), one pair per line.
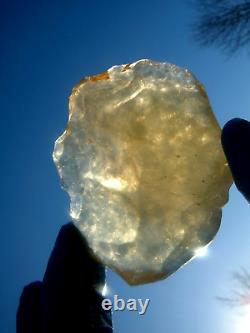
(46,48)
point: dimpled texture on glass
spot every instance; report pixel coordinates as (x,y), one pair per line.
(142,162)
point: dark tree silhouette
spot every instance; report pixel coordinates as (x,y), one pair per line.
(240,294)
(223,23)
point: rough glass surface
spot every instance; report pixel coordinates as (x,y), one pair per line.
(142,162)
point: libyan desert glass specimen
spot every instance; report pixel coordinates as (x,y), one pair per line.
(142,162)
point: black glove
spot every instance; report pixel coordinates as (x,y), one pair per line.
(236,144)
(67,300)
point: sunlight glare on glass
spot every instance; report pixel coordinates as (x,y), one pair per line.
(105,290)
(201,252)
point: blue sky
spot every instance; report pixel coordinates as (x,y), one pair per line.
(46,48)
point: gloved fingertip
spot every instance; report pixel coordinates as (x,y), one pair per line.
(235,132)
(235,140)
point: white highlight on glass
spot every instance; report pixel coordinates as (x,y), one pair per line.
(201,252)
